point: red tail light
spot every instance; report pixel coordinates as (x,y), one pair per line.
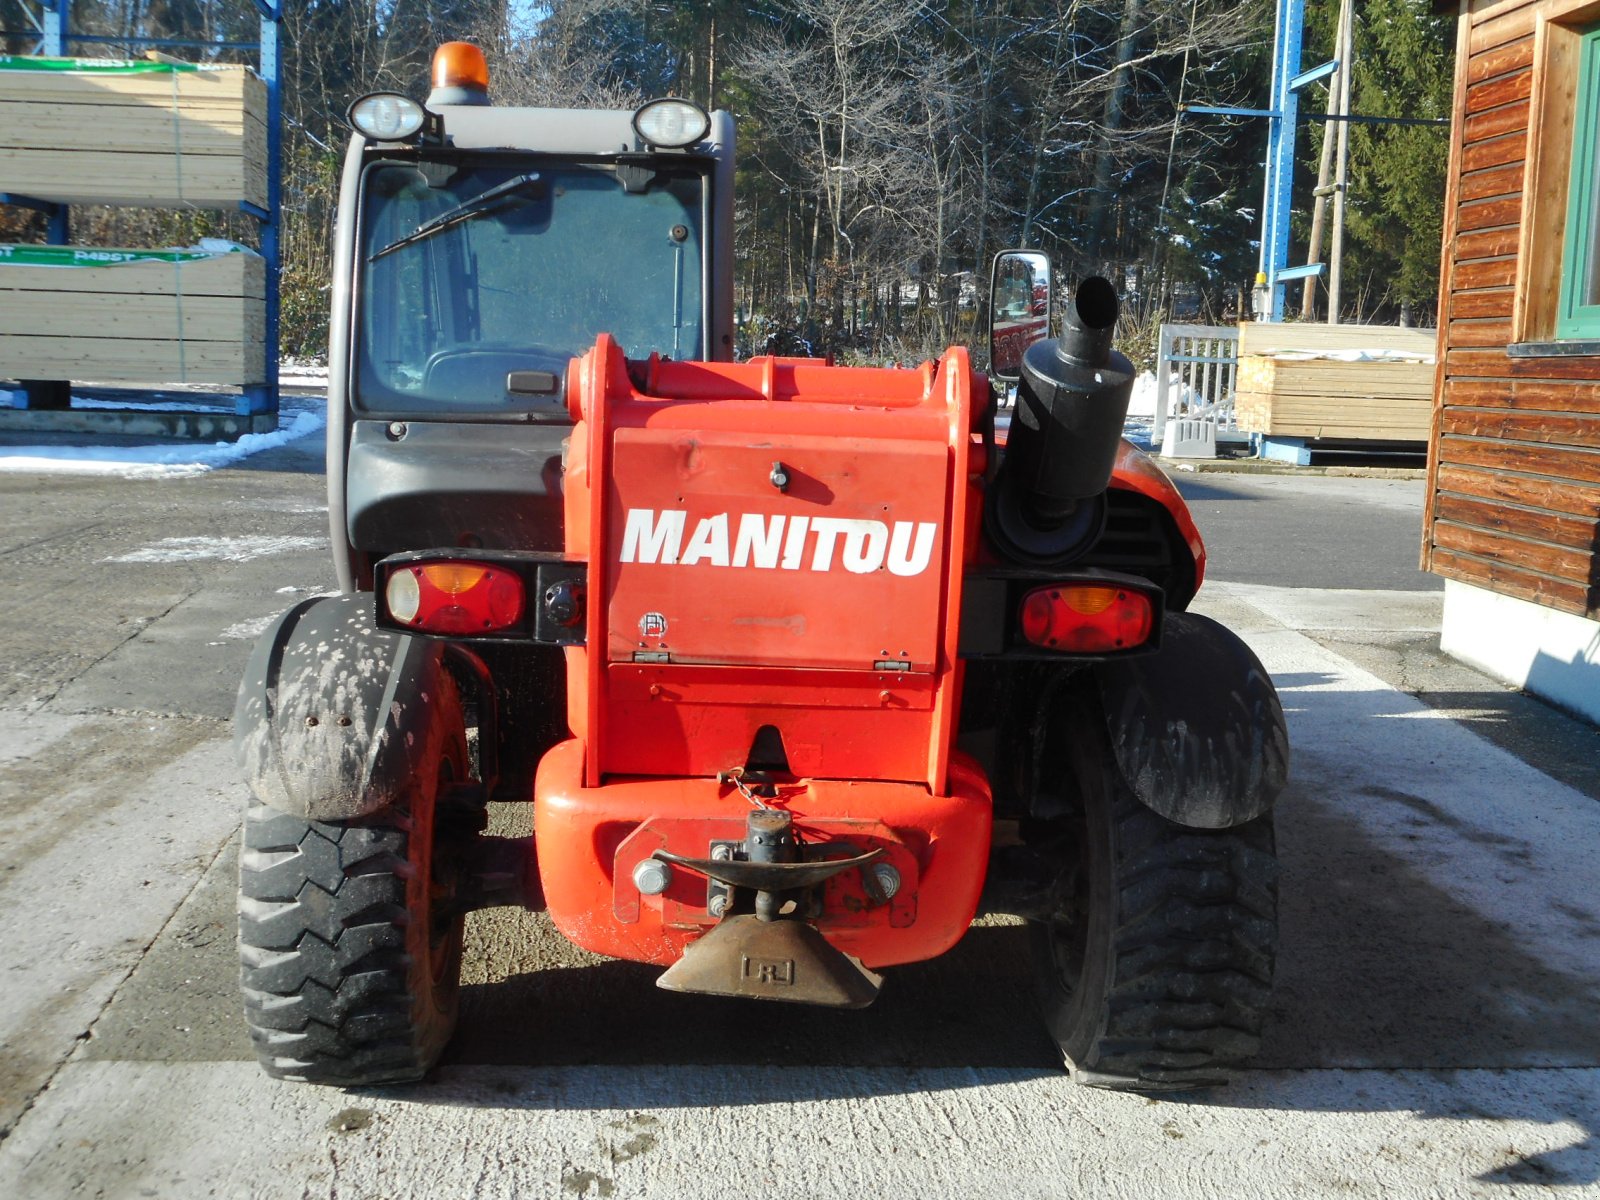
(1087,618)
(454,597)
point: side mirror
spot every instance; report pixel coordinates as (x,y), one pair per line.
(1020,299)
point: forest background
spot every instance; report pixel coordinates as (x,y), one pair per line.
(887,148)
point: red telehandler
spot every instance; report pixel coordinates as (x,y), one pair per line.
(801,667)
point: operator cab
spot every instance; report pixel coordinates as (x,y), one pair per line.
(479,250)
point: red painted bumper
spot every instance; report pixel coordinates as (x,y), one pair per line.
(590,839)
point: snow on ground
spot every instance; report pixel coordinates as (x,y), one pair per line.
(298,417)
(1179,396)
(299,374)
(228,549)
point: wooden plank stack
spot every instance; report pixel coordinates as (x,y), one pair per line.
(143,319)
(155,135)
(1309,381)
(137,134)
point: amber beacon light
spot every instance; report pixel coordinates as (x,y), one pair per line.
(460,75)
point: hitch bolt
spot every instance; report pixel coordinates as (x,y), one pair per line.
(888,879)
(652,877)
(723,853)
(717,905)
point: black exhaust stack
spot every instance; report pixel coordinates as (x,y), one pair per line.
(1048,503)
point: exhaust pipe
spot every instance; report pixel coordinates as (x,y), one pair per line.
(1048,505)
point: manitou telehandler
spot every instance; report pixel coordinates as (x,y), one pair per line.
(800,666)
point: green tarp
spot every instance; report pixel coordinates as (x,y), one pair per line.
(93,66)
(89,256)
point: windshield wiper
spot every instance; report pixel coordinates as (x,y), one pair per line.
(483,203)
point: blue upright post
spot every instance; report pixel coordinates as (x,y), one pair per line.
(55,27)
(1280,148)
(263,398)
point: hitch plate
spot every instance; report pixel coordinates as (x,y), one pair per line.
(748,958)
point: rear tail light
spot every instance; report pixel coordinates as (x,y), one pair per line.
(1087,618)
(455,597)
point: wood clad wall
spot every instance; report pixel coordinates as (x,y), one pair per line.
(1514,472)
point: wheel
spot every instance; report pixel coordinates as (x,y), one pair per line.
(349,971)
(1155,972)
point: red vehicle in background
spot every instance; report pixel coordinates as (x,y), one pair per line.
(1019,308)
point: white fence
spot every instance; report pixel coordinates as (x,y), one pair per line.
(1200,361)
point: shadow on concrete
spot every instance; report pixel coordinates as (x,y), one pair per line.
(973,1007)
(1193,490)
(1571,684)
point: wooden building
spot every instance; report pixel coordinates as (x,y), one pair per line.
(1513,511)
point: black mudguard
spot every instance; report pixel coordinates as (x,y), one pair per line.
(328,712)
(1196,728)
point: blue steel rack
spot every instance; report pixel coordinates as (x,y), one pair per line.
(54,33)
(1282,125)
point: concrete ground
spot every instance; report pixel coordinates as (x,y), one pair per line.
(1434,1033)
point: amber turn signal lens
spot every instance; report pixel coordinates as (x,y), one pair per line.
(461,598)
(1087,618)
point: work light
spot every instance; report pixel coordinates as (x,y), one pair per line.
(386,117)
(671,123)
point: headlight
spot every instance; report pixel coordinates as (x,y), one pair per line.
(671,123)
(386,117)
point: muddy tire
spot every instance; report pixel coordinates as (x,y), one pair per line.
(1157,973)
(349,977)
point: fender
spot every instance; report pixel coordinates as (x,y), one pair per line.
(1136,471)
(321,725)
(1197,728)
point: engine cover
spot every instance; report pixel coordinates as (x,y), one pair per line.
(774,549)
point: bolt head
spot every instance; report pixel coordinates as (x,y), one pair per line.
(652,877)
(888,879)
(717,906)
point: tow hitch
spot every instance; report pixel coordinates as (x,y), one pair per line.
(772,952)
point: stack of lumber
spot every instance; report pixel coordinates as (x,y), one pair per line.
(1361,382)
(133,316)
(158,135)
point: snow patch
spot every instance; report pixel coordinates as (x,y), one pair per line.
(153,462)
(227,549)
(247,630)
(1180,396)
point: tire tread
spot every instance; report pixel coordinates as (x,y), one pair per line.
(322,936)
(1194,941)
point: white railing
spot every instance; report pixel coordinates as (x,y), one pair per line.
(1199,361)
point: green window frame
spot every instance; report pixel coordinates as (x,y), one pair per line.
(1578,314)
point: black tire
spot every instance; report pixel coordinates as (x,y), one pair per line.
(1157,973)
(348,977)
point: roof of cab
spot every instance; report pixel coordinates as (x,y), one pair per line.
(562,130)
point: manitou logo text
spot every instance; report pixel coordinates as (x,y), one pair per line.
(773,543)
